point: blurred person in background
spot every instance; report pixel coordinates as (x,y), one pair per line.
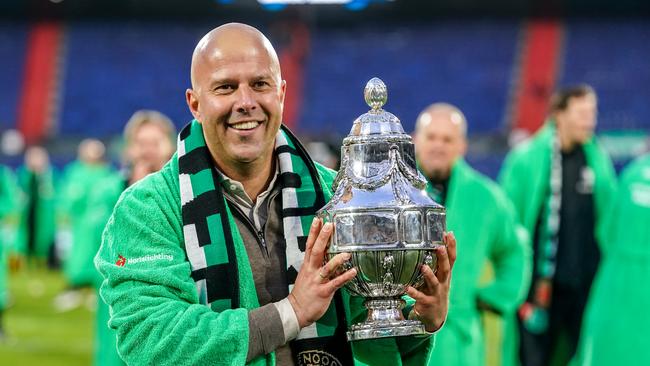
(199,258)
(616,322)
(35,236)
(323,154)
(150,140)
(561,182)
(486,230)
(8,206)
(80,178)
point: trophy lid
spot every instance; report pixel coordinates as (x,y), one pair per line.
(376,122)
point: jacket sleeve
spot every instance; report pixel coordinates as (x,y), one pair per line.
(8,193)
(510,179)
(510,253)
(606,190)
(147,284)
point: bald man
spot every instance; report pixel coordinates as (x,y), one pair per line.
(217,259)
(484,220)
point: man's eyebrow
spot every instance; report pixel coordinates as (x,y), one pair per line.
(221,81)
(263,77)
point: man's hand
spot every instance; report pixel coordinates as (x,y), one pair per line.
(316,284)
(432,300)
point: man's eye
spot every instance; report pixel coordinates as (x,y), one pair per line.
(260,84)
(224,88)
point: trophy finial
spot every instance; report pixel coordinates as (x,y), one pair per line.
(375,94)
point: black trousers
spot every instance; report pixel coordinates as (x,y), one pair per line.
(560,341)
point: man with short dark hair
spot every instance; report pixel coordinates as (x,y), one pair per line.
(561,182)
(217,259)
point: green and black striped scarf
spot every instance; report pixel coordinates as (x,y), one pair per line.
(212,241)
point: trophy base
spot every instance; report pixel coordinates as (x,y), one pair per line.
(376,330)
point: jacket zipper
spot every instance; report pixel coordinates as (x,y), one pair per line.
(259,234)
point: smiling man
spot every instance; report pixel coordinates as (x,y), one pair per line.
(233,267)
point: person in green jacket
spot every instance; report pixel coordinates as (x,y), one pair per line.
(81,177)
(561,182)
(217,259)
(615,329)
(149,143)
(35,236)
(487,232)
(8,204)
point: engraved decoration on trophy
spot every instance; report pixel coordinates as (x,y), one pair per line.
(383,217)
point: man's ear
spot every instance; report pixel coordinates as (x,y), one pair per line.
(463,147)
(193,103)
(283,91)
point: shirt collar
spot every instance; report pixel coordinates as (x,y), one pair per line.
(235,188)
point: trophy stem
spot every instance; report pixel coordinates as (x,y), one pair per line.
(385,319)
(385,309)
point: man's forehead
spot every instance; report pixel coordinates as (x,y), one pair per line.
(442,117)
(214,52)
(587,99)
(233,43)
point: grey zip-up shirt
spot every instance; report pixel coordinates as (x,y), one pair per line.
(274,324)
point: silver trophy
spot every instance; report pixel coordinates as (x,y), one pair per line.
(383,217)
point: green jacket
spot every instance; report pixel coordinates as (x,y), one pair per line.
(615,327)
(154,302)
(8,206)
(79,182)
(525,178)
(45,209)
(102,199)
(483,220)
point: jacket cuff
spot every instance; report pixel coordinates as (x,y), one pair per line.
(265,327)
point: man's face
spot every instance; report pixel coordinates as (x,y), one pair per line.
(92,153)
(439,143)
(150,146)
(238,97)
(578,121)
(36,159)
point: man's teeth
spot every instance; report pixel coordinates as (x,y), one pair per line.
(245,125)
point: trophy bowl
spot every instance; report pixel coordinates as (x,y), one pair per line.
(383,217)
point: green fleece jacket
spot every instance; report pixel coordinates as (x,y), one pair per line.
(154,302)
(102,199)
(525,178)
(484,222)
(615,326)
(8,207)
(78,184)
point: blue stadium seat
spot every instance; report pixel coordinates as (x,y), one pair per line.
(114,69)
(613,57)
(467,63)
(13,39)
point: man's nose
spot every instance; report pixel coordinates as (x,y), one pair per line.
(245,100)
